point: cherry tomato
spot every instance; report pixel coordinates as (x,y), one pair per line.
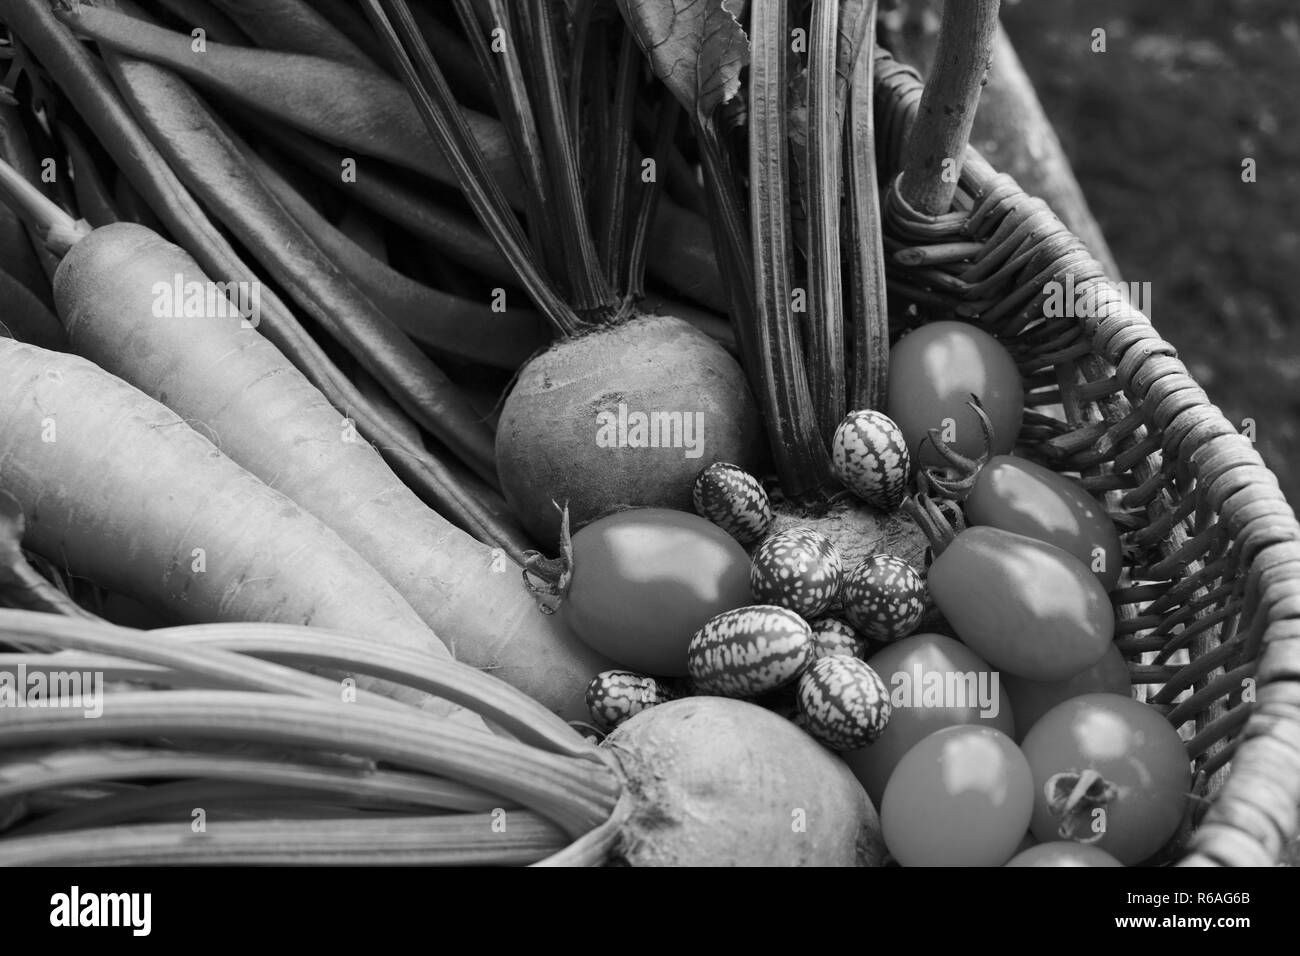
(1063,853)
(933,372)
(933,682)
(1024,605)
(961,797)
(1018,495)
(645,580)
(1142,775)
(1030,699)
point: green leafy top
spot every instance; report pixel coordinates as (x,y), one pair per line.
(696,47)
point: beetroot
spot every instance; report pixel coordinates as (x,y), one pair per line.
(622,416)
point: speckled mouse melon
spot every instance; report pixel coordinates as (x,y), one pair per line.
(749,652)
(832,636)
(734,500)
(844,702)
(799,569)
(869,454)
(884,597)
(614,696)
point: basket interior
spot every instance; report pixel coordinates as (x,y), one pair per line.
(1203,523)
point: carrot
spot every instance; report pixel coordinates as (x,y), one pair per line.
(119,489)
(83,81)
(293,26)
(16,149)
(211,163)
(93,202)
(18,257)
(349,21)
(463,240)
(25,318)
(446,323)
(231,382)
(365,110)
(372,113)
(198,13)
(131,206)
(454,235)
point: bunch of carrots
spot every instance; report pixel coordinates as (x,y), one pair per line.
(267,272)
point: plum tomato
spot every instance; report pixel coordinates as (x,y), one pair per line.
(1110,771)
(933,372)
(1063,853)
(1023,497)
(961,797)
(1024,605)
(646,579)
(934,682)
(1030,699)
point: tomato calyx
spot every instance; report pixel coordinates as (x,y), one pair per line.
(957,479)
(1073,797)
(547,579)
(930,517)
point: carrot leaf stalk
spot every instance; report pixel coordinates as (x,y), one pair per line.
(60,231)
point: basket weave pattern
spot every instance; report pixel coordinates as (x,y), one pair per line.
(1208,611)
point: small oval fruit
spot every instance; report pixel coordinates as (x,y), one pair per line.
(869,454)
(844,702)
(961,797)
(734,500)
(614,696)
(799,569)
(832,636)
(1063,853)
(645,580)
(883,597)
(749,651)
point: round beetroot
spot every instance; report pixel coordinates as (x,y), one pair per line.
(570,431)
(646,579)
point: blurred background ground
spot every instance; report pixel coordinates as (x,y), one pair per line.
(1157,128)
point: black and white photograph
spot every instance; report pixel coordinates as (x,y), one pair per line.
(649,433)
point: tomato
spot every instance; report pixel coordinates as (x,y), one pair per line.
(1031,699)
(1063,853)
(645,580)
(961,797)
(1139,801)
(1024,605)
(1018,495)
(934,682)
(933,372)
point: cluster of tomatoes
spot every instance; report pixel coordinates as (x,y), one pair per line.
(1020,722)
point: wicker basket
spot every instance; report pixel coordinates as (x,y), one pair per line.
(1208,612)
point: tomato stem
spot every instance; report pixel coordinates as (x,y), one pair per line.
(957,480)
(1073,796)
(925,511)
(547,579)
